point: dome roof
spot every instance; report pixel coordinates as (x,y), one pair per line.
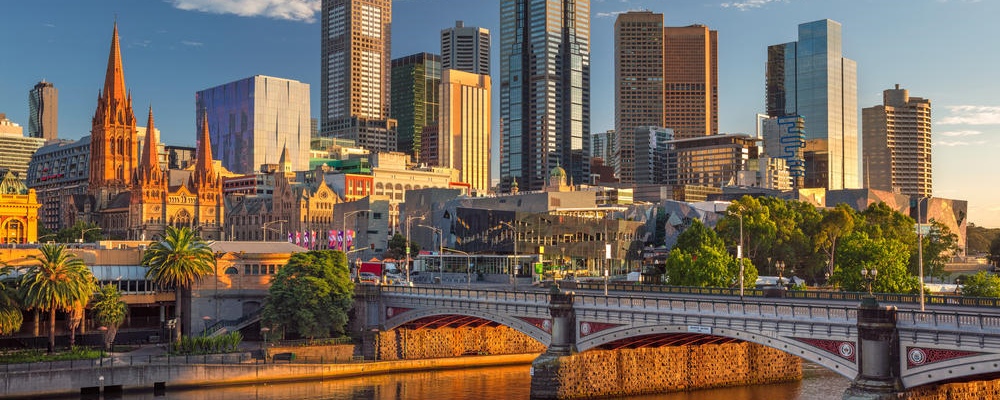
(557,171)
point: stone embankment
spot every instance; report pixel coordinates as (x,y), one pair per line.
(411,344)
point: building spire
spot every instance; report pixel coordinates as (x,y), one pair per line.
(150,163)
(203,169)
(114,80)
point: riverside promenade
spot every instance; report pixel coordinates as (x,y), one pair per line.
(150,369)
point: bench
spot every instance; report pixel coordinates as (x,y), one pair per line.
(283,357)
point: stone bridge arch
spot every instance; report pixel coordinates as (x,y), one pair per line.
(839,356)
(397,317)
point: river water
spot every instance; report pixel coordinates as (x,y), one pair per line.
(490,383)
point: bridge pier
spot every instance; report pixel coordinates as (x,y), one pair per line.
(546,369)
(878,354)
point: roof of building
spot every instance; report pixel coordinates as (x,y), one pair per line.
(256,247)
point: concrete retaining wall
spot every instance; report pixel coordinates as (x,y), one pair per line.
(409,344)
(626,372)
(956,391)
(336,353)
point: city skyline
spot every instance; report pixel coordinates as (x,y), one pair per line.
(222,41)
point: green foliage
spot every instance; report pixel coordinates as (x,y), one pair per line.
(227,343)
(979,238)
(995,251)
(109,311)
(59,281)
(177,261)
(33,355)
(834,225)
(886,255)
(311,295)
(700,259)
(397,248)
(982,284)
(760,230)
(10,308)
(939,245)
(91,233)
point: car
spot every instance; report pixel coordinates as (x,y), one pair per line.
(368,277)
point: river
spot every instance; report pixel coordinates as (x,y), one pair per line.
(489,383)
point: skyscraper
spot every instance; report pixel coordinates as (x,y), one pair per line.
(253,118)
(355,83)
(664,77)
(43,111)
(466,49)
(415,103)
(896,143)
(464,127)
(544,91)
(811,78)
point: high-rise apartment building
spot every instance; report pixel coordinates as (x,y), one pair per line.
(651,149)
(43,111)
(355,64)
(602,146)
(691,81)
(466,49)
(15,148)
(664,76)
(896,140)
(544,91)
(415,103)
(812,78)
(464,127)
(252,119)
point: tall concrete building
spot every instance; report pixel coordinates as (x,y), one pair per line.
(15,148)
(651,150)
(355,64)
(664,76)
(544,91)
(43,111)
(813,79)
(466,49)
(602,146)
(464,127)
(252,119)
(896,140)
(415,98)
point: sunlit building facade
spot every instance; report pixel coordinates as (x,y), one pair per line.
(897,144)
(415,99)
(43,111)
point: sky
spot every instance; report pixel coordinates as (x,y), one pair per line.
(943,50)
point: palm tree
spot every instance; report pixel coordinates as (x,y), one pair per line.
(177,261)
(60,281)
(10,311)
(109,311)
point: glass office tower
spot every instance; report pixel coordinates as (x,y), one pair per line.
(811,78)
(544,91)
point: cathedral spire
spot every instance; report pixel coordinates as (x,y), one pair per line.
(114,80)
(284,163)
(203,169)
(150,163)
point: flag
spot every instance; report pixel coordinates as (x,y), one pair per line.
(329,240)
(314,242)
(349,239)
(290,240)
(305,239)
(340,241)
(298,238)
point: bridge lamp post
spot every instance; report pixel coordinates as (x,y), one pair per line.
(264,331)
(869,277)
(468,267)
(513,273)
(739,249)
(408,219)
(344,243)
(206,319)
(780,266)
(920,250)
(440,233)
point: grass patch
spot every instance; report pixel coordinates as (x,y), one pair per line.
(35,355)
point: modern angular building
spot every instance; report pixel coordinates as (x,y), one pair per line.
(355,43)
(415,103)
(812,78)
(43,111)
(896,139)
(544,91)
(464,127)
(466,48)
(785,138)
(664,76)
(651,149)
(252,118)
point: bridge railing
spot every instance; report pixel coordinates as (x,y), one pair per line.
(725,307)
(477,294)
(952,300)
(951,320)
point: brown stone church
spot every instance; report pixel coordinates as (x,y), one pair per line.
(129,196)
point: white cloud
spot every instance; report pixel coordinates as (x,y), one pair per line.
(191,43)
(960,133)
(293,10)
(748,4)
(972,115)
(947,143)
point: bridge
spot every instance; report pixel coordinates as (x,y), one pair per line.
(882,349)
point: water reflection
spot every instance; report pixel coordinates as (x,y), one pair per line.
(487,383)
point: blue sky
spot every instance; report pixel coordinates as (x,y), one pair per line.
(944,50)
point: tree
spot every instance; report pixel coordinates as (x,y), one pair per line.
(886,255)
(178,261)
(397,248)
(939,245)
(311,294)
(759,228)
(10,310)
(982,284)
(995,252)
(700,259)
(59,282)
(109,311)
(836,223)
(91,233)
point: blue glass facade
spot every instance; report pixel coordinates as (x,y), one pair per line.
(544,90)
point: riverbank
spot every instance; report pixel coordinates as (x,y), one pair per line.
(164,375)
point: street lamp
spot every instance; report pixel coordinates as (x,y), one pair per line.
(83,231)
(920,250)
(513,273)
(264,228)
(348,214)
(440,233)
(739,248)
(206,319)
(780,266)
(468,266)
(869,277)
(264,331)
(408,219)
